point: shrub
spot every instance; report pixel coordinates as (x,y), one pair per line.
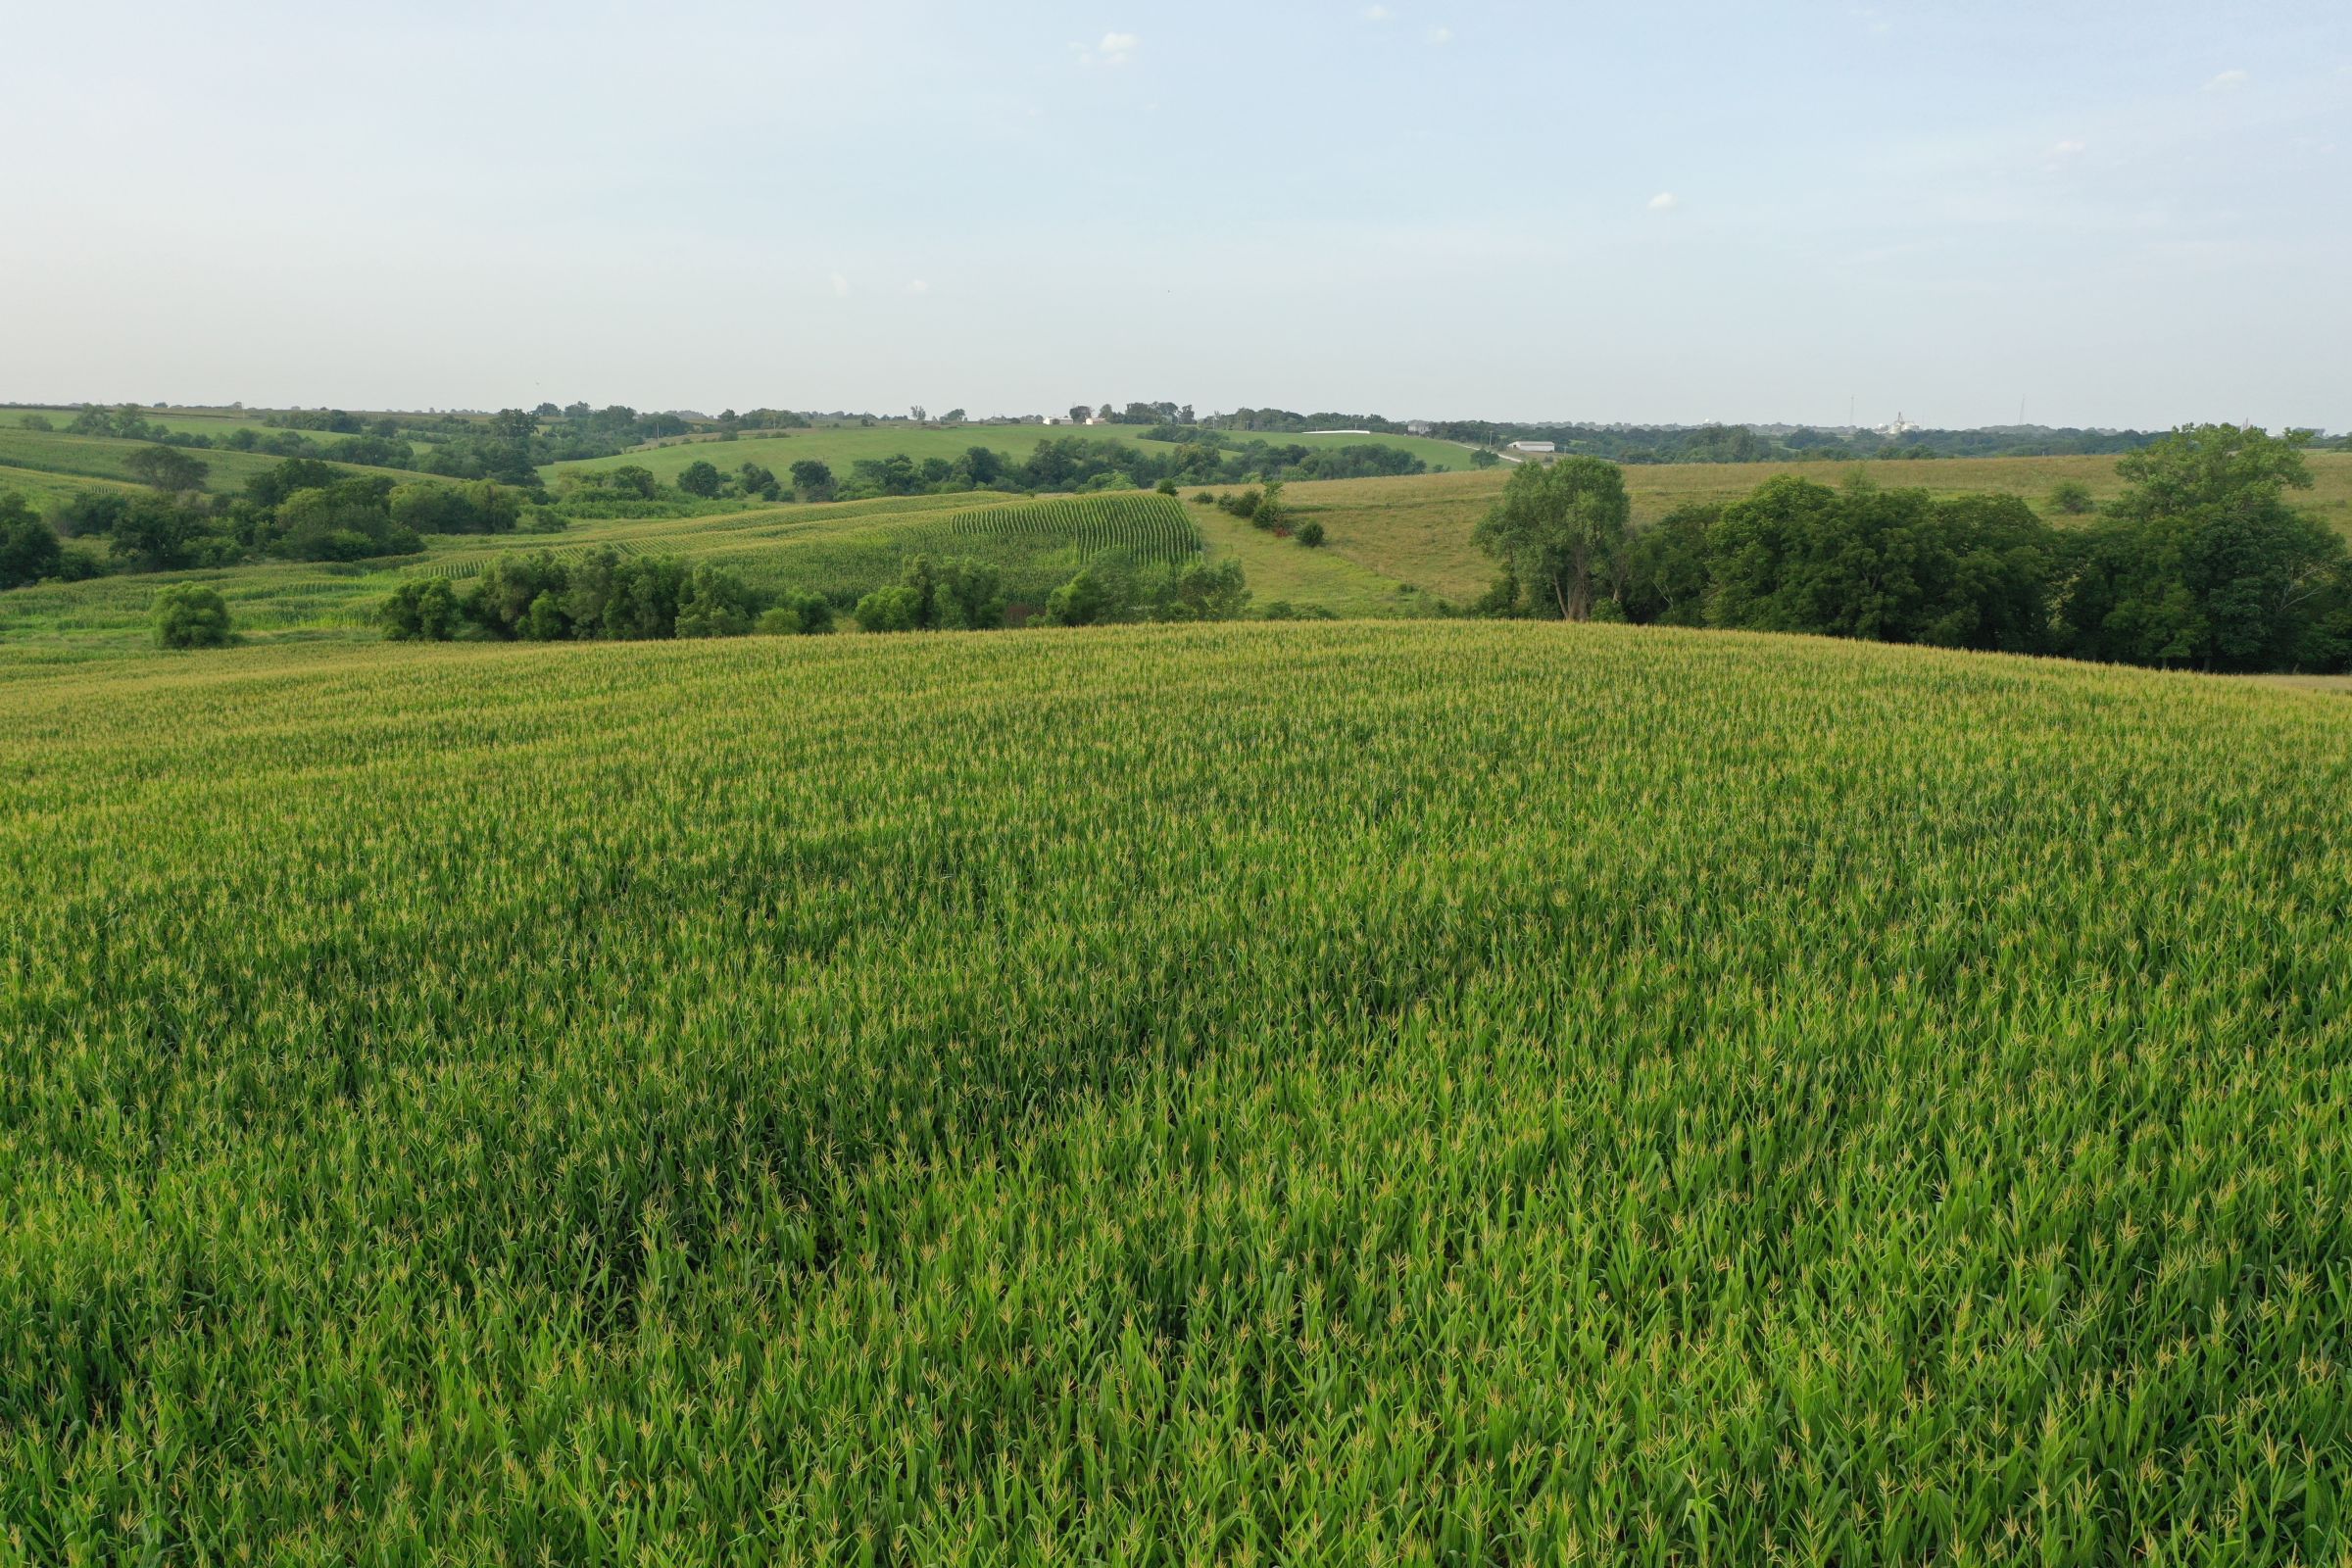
(2070,496)
(798,614)
(28,547)
(1167,487)
(894,608)
(422,611)
(699,478)
(1202,498)
(1310,533)
(189,614)
(716,603)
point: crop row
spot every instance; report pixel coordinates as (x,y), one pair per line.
(1446,1093)
(1147,525)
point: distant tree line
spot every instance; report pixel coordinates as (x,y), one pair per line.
(2203,563)
(1080,463)
(299,510)
(606,596)
(1737,443)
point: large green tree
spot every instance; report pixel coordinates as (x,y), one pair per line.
(28,547)
(167,469)
(2203,562)
(1557,531)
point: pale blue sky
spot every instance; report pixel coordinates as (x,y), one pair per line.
(2123,213)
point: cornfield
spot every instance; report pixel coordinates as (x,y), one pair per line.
(1149,526)
(1446,1093)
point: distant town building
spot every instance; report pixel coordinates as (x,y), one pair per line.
(1417,427)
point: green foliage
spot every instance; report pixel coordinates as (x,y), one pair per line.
(1559,529)
(28,547)
(1452,1093)
(968,597)
(898,608)
(1310,533)
(1889,566)
(633,479)
(1144,527)
(716,603)
(348,519)
(813,480)
(167,469)
(798,614)
(187,614)
(2072,497)
(2203,562)
(699,478)
(1093,595)
(483,507)
(1203,592)
(1666,570)
(425,610)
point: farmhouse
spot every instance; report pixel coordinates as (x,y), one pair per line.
(1531,446)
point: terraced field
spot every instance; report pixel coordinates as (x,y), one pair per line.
(1456,1093)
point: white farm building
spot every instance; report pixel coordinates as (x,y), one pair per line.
(1531,446)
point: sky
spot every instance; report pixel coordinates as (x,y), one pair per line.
(2102,214)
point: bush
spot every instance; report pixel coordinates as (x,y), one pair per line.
(28,547)
(893,609)
(800,614)
(36,422)
(1309,534)
(422,611)
(1202,498)
(189,614)
(716,603)
(1167,487)
(2072,497)
(699,478)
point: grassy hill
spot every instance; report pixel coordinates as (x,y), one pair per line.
(46,463)
(1465,1093)
(840,445)
(1416,529)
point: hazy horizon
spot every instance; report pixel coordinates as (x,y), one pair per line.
(2121,216)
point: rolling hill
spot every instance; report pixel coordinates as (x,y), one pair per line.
(1466,1091)
(842,445)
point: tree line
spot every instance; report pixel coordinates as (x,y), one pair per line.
(2201,563)
(299,510)
(604,595)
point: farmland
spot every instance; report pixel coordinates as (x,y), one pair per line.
(1417,529)
(1465,1093)
(47,461)
(840,445)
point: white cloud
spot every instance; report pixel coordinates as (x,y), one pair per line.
(1664,201)
(841,285)
(1376,13)
(2229,81)
(1115,49)
(1441,37)
(916,285)
(2063,152)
